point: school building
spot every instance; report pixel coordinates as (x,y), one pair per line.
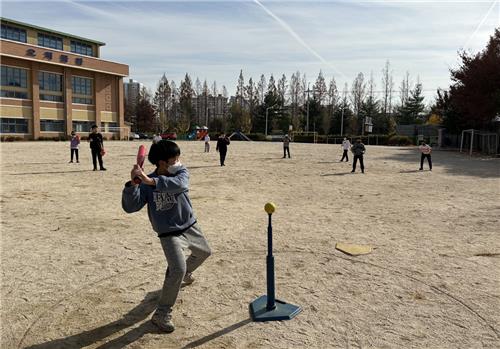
(54,82)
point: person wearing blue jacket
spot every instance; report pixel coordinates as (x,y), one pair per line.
(165,192)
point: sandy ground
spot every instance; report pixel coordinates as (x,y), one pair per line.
(78,272)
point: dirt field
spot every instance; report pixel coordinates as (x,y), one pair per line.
(77,271)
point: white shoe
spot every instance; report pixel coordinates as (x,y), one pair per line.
(188,279)
(163,321)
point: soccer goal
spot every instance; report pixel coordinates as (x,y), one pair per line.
(305,135)
(483,142)
(124,131)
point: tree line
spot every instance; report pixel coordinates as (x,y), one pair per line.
(323,107)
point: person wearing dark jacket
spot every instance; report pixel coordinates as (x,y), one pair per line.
(222,144)
(358,149)
(96,147)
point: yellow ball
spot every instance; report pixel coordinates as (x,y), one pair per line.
(270,208)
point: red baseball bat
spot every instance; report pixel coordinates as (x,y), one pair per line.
(141,156)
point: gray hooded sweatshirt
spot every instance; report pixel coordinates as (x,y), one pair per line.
(169,207)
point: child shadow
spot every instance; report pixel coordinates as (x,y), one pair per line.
(49,172)
(135,315)
(410,171)
(210,337)
(336,174)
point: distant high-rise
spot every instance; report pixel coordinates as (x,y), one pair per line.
(207,108)
(131,91)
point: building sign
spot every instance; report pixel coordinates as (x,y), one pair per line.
(50,57)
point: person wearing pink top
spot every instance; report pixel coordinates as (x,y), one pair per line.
(74,145)
(426,150)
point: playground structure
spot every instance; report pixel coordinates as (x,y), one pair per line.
(241,136)
(198,133)
(481,141)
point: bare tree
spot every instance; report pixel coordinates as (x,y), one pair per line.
(282,90)
(214,89)
(332,100)
(295,93)
(358,93)
(261,88)
(387,89)
(197,87)
(240,90)
(404,89)
(162,100)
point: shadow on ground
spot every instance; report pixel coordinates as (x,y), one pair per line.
(451,162)
(217,334)
(135,315)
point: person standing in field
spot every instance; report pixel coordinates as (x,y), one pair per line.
(286,146)
(96,147)
(358,149)
(426,150)
(222,144)
(346,145)
(207,143)
(74,144)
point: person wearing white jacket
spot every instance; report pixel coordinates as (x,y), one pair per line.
(346,145)
(426,150)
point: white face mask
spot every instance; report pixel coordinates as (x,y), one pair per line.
(172,169)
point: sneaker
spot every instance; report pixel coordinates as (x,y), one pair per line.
(188,279)
(103,169)
(163,321)
(420,169)
(71,161)
(352,171)
(95,169)
(77,161)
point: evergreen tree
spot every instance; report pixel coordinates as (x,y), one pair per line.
(319,88)
(186,107)
(409,112)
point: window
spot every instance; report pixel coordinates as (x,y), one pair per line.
(82,126)
(14,82)
(11,125)
(81,48)
(13,33)
(52,125)
(51,86)
(105,126)
(50,41)
(12,76)
(13,94)
(82,90)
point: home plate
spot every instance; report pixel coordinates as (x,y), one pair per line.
(353,250)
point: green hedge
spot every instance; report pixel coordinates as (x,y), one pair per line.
(256,136)
(400,140)
(11,139)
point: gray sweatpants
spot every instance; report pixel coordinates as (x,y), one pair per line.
(178,266)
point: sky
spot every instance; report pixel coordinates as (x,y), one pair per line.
(214,40)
